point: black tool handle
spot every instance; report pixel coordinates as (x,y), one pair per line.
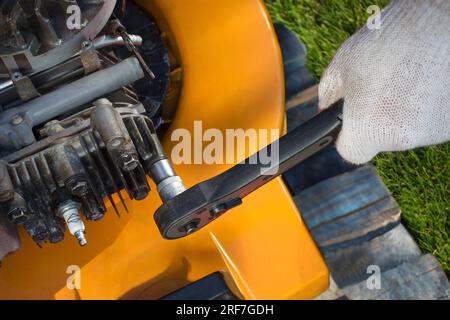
(206,201)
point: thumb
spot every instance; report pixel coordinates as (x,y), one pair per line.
(356,142)
(352,145)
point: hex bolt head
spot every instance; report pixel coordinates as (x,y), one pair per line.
(16,120)
(17,216)
(80,188)
(129,161)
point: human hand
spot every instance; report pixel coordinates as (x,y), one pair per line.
(395,82)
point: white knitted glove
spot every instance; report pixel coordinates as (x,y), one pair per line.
(395,81)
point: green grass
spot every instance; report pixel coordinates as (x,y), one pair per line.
(420,179)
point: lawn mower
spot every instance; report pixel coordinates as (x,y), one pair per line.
(93,204)
(87,115)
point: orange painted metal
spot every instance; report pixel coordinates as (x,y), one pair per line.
(232,78)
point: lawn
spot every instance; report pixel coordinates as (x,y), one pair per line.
(420,179)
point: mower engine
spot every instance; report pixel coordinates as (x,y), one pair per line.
(76,119)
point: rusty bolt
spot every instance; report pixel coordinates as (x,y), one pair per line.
(17,216)
(79,188)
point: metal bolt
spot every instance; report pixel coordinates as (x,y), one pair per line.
(217,211)
(191,227)
(86,45)
(16,120)
(16,75)
(80,188)
(17,216)
(129,162)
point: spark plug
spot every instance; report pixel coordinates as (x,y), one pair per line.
(70,212)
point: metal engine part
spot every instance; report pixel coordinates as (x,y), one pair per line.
(16,124)
(38,34)
(114,149)
(72,129)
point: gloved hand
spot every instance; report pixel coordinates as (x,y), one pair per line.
(395,81)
